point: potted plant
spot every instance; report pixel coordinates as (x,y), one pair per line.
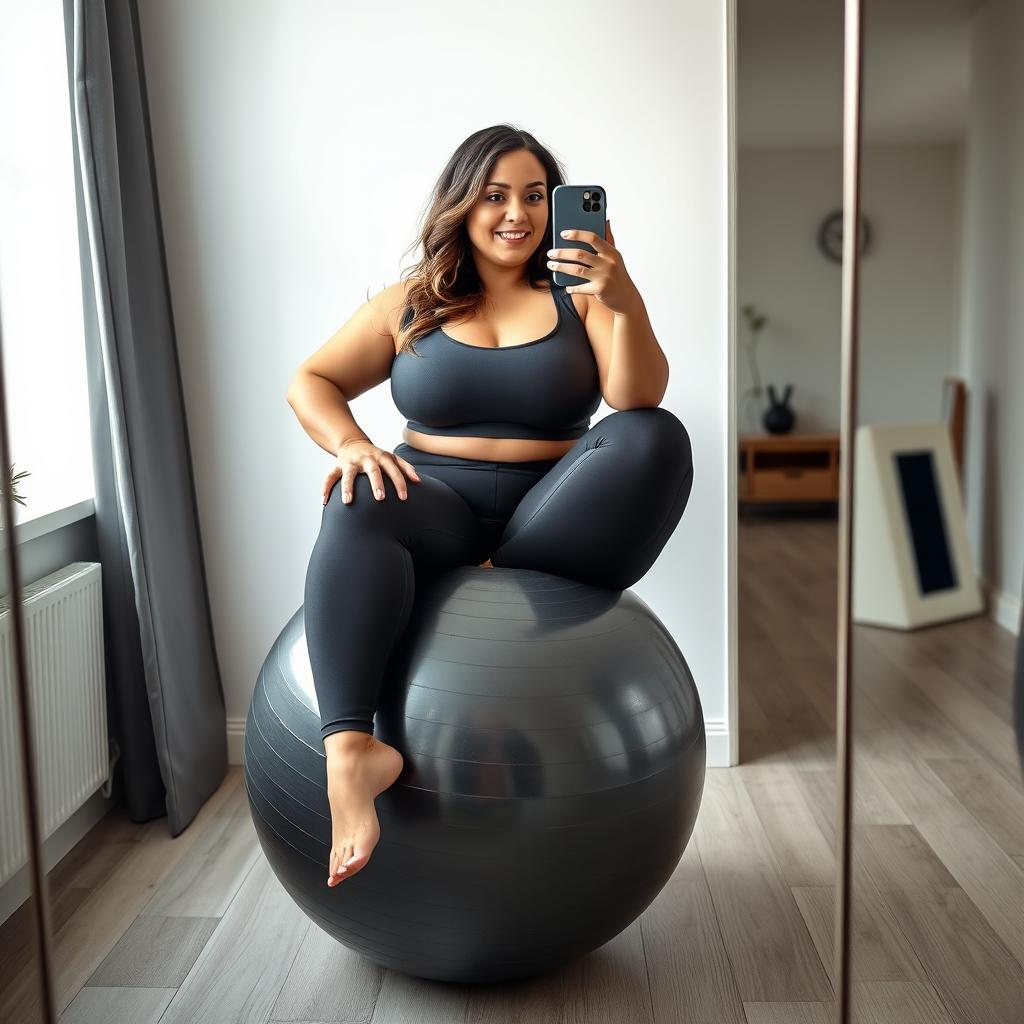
(777,418)
(755,324)
(15,478)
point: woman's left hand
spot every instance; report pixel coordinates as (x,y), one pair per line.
(604,270)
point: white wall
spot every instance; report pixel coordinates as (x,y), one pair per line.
(296,145)
(909,278)
(993,307)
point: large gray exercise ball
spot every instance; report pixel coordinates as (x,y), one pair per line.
(554,764)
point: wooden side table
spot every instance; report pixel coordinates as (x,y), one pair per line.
(788,467)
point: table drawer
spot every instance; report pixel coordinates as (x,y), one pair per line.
(796,483)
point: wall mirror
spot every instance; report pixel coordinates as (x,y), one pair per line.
(206,196)
(937,880)
(788,298)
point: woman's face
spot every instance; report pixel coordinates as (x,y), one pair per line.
(514,199)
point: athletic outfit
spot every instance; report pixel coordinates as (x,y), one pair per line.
(600,514)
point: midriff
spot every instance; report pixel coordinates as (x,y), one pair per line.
(488,449)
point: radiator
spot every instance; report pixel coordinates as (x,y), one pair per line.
(64,643)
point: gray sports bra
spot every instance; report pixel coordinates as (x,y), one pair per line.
(545,389)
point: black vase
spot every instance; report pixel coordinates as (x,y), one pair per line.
(778,417)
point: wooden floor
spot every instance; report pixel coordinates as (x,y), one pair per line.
(197,929)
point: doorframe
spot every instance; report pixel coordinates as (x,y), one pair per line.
(732,441)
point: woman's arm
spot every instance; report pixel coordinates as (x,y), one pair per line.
(632,366)
(357,357)
(323,411)
(635,367)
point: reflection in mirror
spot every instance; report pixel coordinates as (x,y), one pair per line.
(285,192)
(779,806)
(937,922)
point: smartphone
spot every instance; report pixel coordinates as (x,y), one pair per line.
(576,206)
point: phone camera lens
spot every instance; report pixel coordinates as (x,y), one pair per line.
(586,206)
(595,195)
(596,206)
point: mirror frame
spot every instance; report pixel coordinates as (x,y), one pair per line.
(850,334)
(42,932)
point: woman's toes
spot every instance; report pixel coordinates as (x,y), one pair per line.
(355,862)
(348,864)
(335,870)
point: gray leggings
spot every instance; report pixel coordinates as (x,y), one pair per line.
(599,514)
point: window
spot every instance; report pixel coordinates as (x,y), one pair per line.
(40,279)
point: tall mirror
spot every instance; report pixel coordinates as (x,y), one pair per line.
(938,809)
(788,291)
(478,746)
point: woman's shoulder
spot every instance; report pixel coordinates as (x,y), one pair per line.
(393,303)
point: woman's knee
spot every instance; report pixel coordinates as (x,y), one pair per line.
(653,431)
(365,510)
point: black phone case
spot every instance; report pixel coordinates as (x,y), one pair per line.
(567,212)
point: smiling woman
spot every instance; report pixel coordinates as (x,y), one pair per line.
(510,379)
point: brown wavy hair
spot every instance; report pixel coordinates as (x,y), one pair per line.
(447,286)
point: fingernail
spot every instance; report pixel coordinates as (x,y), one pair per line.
(346,497)
(380,494)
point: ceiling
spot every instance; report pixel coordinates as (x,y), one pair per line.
(790,71)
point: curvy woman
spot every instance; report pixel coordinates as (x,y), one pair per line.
(499,466)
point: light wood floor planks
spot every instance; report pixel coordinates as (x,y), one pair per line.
(151,930)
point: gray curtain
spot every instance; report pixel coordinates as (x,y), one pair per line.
(165,695)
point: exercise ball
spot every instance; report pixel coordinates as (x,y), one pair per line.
(554,764)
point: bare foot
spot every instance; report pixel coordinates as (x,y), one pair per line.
(359,767)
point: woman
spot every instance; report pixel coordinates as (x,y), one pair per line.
(505,468)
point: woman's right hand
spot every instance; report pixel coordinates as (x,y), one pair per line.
(356,457)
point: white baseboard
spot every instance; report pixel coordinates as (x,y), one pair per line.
(236,737)
(16,890)
(1003,607)
(716,731)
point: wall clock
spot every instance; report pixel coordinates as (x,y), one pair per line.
(830,236)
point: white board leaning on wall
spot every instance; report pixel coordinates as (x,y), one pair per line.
(912,563)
